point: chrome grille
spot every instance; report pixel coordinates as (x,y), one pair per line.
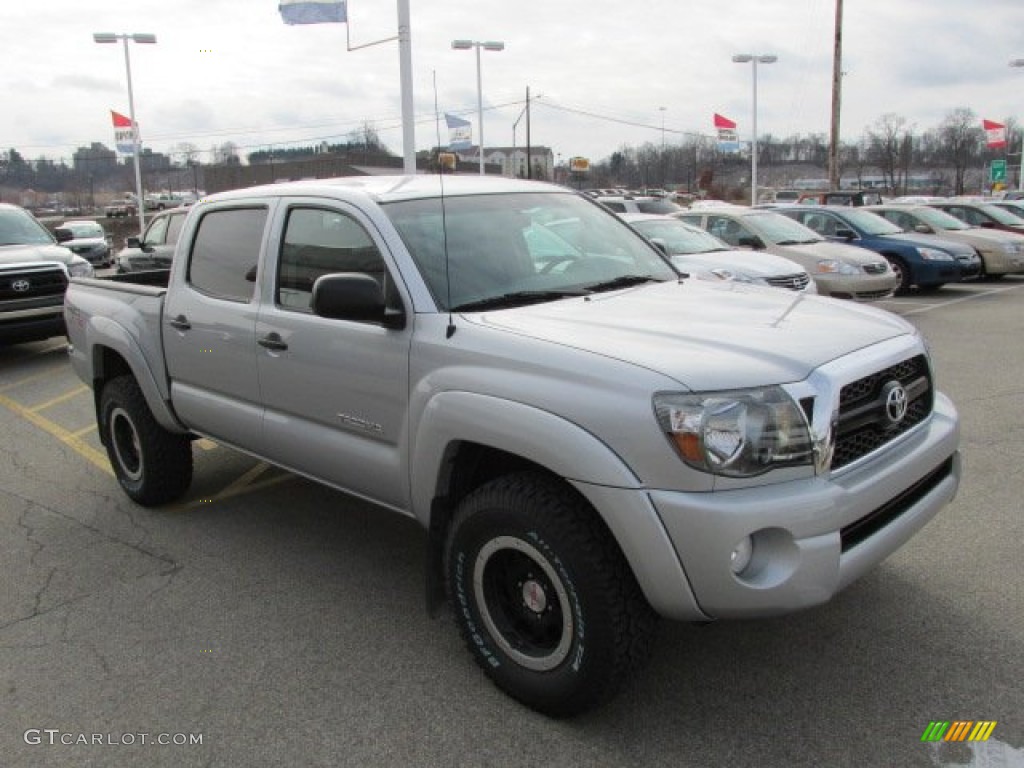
(20,284)
(864,424)
(795,282)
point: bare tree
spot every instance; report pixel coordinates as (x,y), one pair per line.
(960,140)
(888,145)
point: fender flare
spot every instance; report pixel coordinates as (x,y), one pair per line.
(103,334)
(564,448)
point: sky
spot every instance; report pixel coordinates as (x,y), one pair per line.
(602,75)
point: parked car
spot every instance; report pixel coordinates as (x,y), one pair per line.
(1001,252)
(1016,207)
(924,261)
(851,197)
(34,273)
(163,201)
(984,215)
(702,255)
(86,238)
(644,204)
(155,249)
(583,450)
(126,206)
(841,271)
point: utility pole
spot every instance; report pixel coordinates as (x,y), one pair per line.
(529,167)
(837,88)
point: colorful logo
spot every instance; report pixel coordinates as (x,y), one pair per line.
(958,730)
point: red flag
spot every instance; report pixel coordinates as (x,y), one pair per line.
(723,122)
(995,134)
(120,121)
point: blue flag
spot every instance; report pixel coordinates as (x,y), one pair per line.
(313,11)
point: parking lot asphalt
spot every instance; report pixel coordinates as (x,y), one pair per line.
(277,622)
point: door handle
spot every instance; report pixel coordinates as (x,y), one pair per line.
(272,341)
(181,323)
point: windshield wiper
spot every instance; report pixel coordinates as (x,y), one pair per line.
(796,242)
(624,281)
(516,299)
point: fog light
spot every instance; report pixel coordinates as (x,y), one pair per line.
(741,554)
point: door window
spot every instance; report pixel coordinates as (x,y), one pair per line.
(319,242)
(226,251)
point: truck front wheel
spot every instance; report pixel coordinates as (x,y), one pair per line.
(543,596)
(152,465)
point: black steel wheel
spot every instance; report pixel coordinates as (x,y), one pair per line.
(543,596)
(152,465)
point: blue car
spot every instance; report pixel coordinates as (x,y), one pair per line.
(922,261)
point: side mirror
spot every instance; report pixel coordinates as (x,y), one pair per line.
(133,242)
(660,244)
(984,225)
(63,235)
(354,296)
(846,234)
(750,241)
(924,229)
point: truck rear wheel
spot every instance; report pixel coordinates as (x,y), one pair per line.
(152,465)
(543,596)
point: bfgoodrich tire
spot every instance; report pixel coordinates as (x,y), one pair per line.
(152,465)
(543,596)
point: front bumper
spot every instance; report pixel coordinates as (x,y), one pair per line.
(811,538)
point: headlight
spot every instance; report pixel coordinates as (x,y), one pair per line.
(931,254)
(739,433)
(835,266)
(79,267)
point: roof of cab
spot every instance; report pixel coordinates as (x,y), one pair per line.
(384,189)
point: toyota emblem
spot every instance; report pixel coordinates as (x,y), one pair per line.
(21,286)
(895,402)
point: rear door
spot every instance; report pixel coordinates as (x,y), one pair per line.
(210,321)
(335,392)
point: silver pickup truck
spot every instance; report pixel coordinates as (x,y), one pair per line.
(589,439)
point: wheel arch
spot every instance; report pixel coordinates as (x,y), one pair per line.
(118,354)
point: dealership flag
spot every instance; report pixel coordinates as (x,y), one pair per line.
(460,132)
(727,140)
(124,136)
(313,11)
(995,134)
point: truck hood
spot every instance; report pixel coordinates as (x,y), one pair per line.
(706,336)
(24,254)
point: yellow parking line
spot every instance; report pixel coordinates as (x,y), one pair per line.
(70,439)
(59,399)
(85,431)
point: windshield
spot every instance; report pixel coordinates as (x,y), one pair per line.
(82,229)
(871,223)
(657,206)
(679,237)
(780,229)
(17,227)
(1002,215)
(937,219)
(523,247)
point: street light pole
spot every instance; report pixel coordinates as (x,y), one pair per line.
(490,45)
(662,110)
(754,59)
(1020,171)
(137,37)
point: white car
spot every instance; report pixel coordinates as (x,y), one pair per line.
(704,256)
